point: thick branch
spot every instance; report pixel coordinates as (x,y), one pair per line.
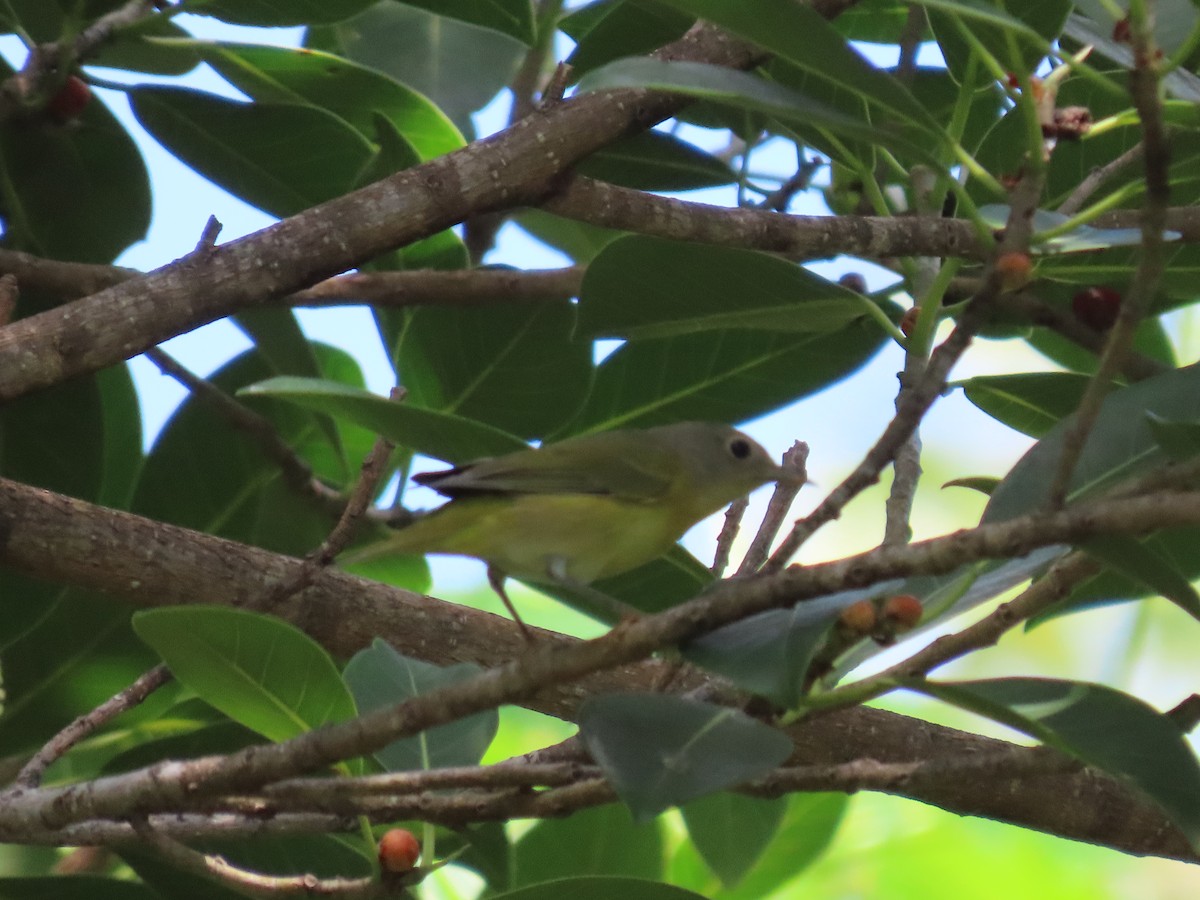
(519,166)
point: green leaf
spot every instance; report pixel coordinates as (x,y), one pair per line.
(984,484)
(77,887)
(808,828)
(660,751)
(1103,727)
(63,652)
(60,186)
(578,241)
(610,29)
(724,376)
(769,653)
(603,840)
(803,37)
(646,287)
(379,677)
(137,47)
(354,93)
(1033,23)
(1142,562)
(413,47)
(260,671)
(745,92)
(435,434)
(204,474)
(512,17)
(516,367)
(279,13)
(655,161)
(122,443)
(1029,402)
(237,145)
(732,831)
(1120,445)
(1179,440)
(597,887)
(658,585)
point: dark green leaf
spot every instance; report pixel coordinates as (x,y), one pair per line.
(660,751)
(137,47)
(122,436)
(413,46)
(722,376)
(63,653)
(380,677)
(1142,562)
(260,671)
(603,840)
(745,91)
(800,34)
(1030,402)
(1101,726)
(645,287)
(654,161)
(578,241)
(1179,440)
(424,431)
(658,585)
(1120,445)
(239,146)
(808,827)
(279,13)
(202,473)
(512,17)
(611,29)
(769,653)
(62,183)
(599,887)
(355,93)
(77,887)
(732,831)
(516,367)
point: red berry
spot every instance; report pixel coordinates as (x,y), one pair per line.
(859,618)
(1097,307)
(1122,31)
(70,101)
(399,851)
(903,611)
(909,320)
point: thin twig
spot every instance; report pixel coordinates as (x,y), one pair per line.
(254,884)
(10,291)
(1097,177)
(296,472)
(795,459)
(1144,82)
(87,724)
(729,532)
(912,405)
(372,471)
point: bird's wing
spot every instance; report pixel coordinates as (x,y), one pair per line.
(611,463)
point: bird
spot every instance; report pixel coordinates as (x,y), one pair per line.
(588,507)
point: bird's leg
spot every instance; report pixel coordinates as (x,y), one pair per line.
(495,578)
(607,606)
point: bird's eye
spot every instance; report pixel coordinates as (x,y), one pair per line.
(740,448)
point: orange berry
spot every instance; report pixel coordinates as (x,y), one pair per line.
(859,618)
(399,851)
(1014,269)
(909,320)
(903,611)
